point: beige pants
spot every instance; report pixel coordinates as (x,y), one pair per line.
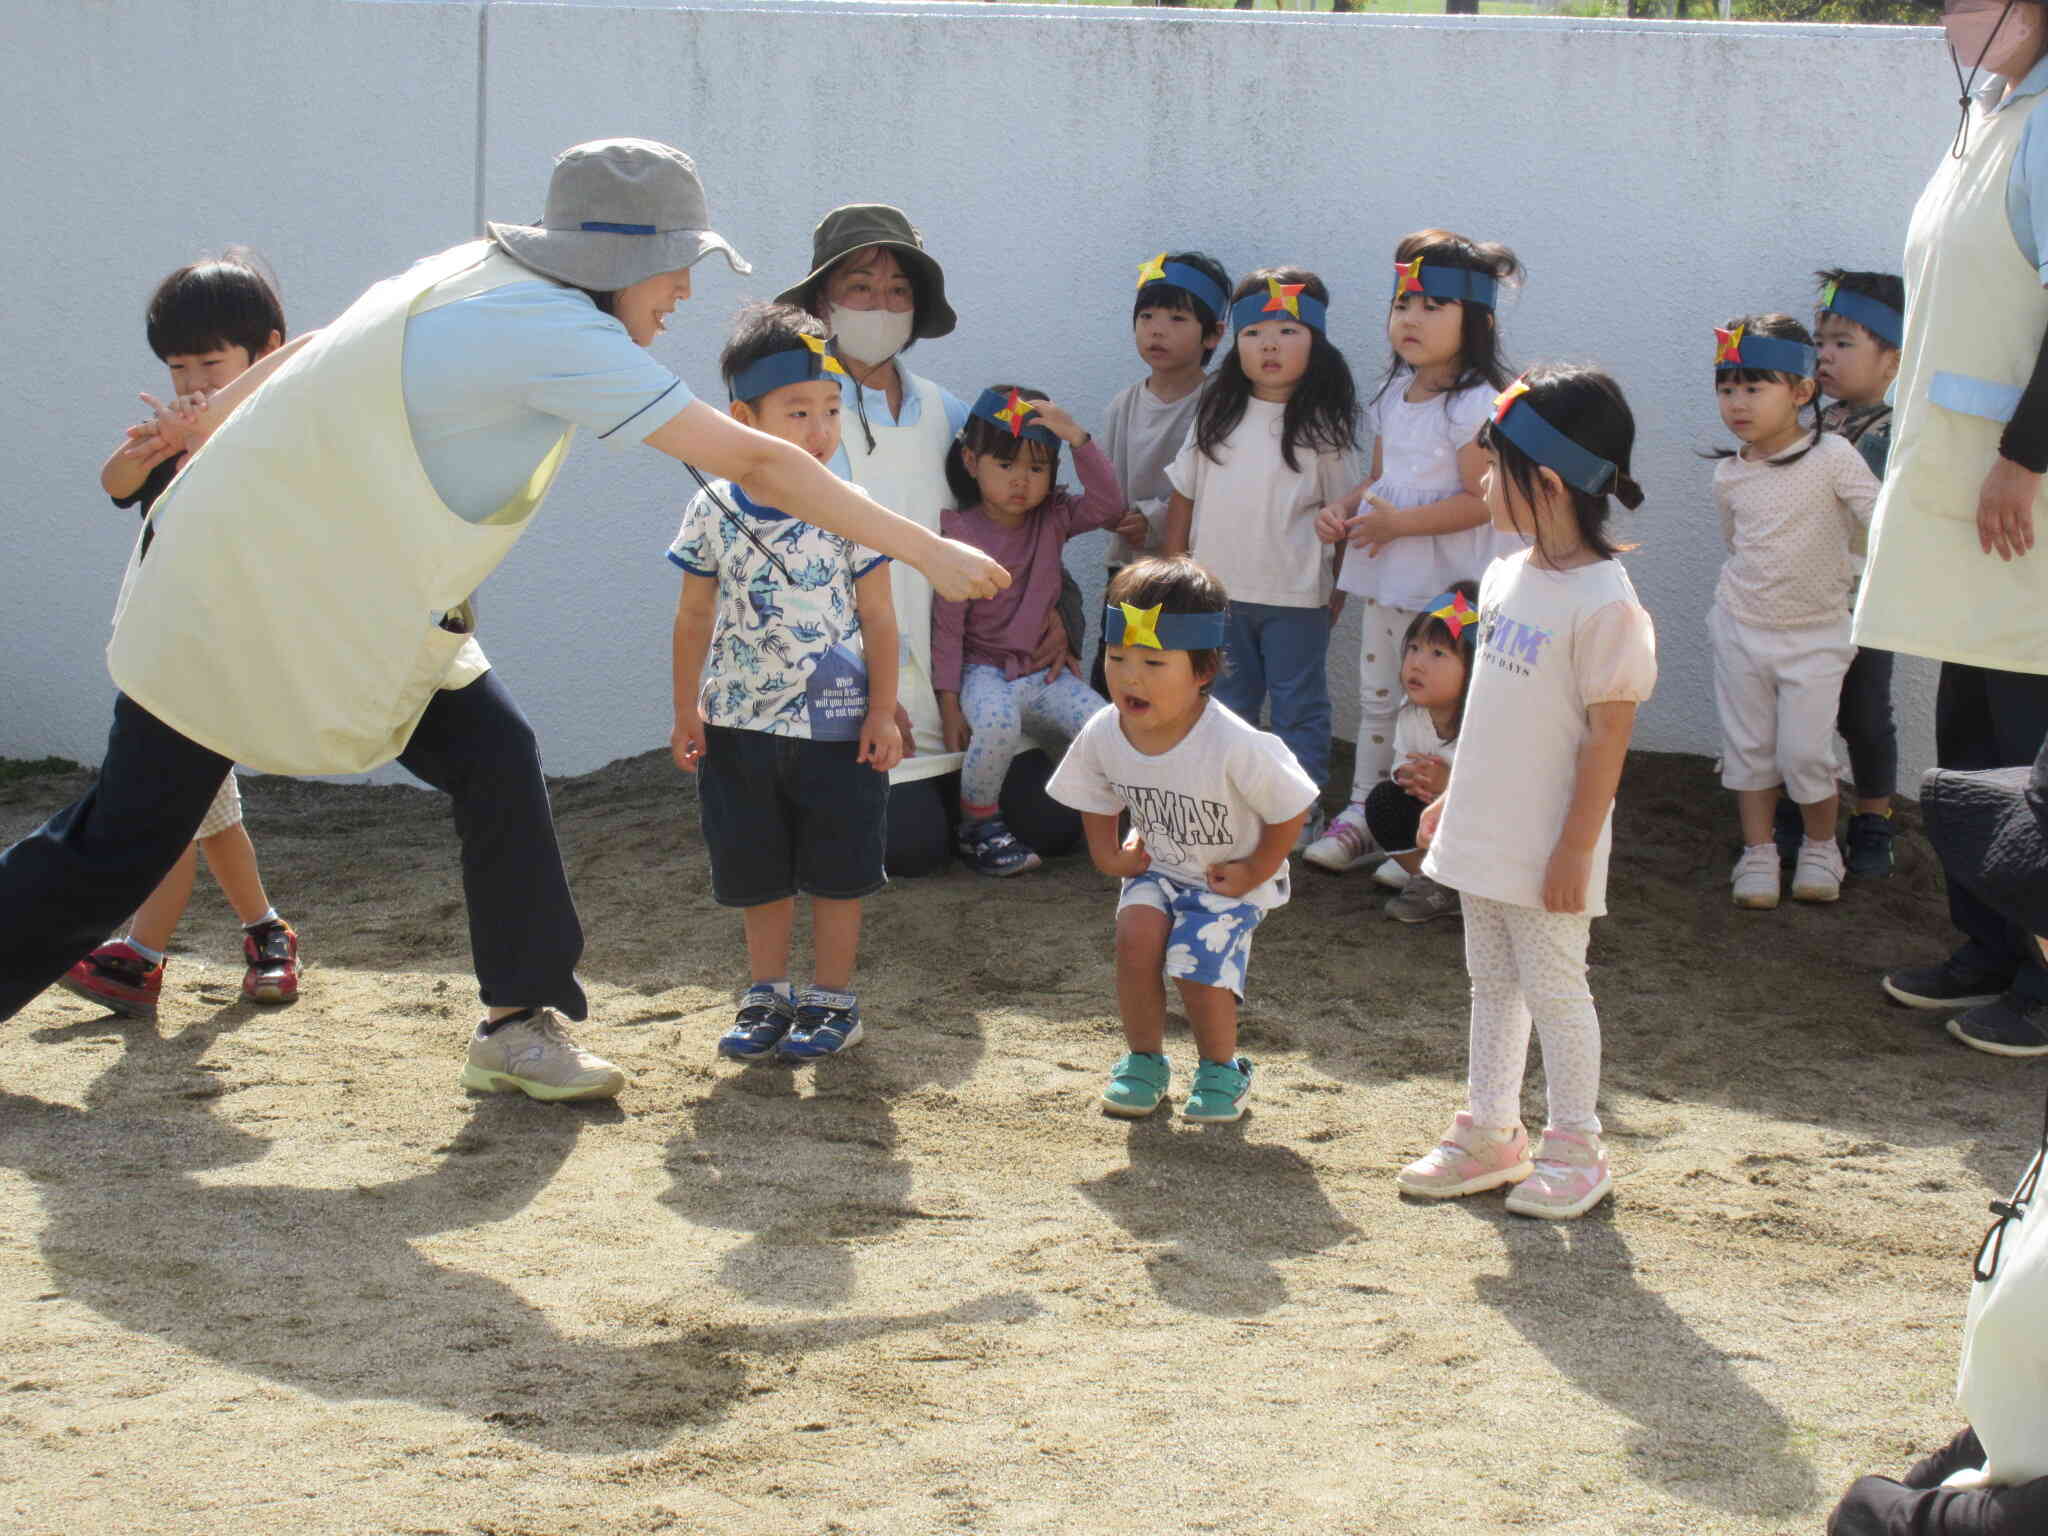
(1778,692)
(1380,698)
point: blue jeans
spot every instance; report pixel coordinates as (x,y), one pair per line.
(1276,653)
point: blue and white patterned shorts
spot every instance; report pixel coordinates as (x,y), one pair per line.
(1210,942)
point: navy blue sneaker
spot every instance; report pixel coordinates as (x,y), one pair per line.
(765,1016)
(2010,1026)
(826,1024)
(1870,845)
(992,850)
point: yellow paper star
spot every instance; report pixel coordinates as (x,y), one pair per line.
(830,364)
(1012,415)
(1504,401)
(1284,296)
(1153,271)
(1141,625)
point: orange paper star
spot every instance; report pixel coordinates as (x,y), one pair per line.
(1283,297)
(1505,400)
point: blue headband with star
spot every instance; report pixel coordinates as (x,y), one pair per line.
(1126,624)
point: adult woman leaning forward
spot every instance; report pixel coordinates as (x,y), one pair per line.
(304,606)
(1953,571)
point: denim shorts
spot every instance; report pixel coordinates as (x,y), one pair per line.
(1210,942)
(783,814)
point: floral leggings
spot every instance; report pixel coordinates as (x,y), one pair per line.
(998,709)
(1530,965)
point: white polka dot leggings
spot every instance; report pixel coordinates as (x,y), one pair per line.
(1380,698)
(1527,963)
(998,709)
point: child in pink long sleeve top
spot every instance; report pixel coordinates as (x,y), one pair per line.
(1001,471)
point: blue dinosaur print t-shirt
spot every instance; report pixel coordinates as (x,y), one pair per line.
(785,652)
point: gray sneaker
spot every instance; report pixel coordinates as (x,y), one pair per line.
(535,1056)
(1421,899)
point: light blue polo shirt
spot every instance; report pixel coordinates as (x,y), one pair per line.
(2026,187)
(491,380)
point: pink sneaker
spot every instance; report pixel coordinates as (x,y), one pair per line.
(1468,1160)
(1570,1178)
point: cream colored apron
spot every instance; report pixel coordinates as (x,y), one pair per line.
(288,615)
(1975,316)
(907,474)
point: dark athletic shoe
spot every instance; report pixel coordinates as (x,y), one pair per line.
(2009,1026)
(1870,845)
(1944,986)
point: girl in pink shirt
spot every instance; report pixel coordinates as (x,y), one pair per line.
(1001,469)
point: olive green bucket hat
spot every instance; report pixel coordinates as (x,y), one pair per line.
(856,227)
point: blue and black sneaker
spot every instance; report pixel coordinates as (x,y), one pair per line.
(765,1016)
(993,850)
(826,1024)
(1788,831)
(1870,845)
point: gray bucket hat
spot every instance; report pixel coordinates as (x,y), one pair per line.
(619,210)
(856,227)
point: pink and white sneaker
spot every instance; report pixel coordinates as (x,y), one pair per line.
(1469,1159)
(1570,1178)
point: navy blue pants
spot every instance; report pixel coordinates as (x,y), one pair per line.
(1990,719)
(1867,725)
(66,886)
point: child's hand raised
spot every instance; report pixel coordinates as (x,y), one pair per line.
(1373,529)
(1423,775)
(1056,421)
(178,422)
(1129,859)
(145,447)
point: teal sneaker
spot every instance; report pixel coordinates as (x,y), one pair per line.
(1220,1090)
(1137,1085)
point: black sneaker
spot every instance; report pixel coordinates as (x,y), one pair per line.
(1788,830)
(1943,986)
(992,849)
(1870,845)
(2011,1025)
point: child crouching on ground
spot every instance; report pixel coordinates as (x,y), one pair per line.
(1001,471)
(1215,807)
(792,725)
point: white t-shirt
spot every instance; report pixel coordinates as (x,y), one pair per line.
(1255,519)
(1414,731)
(1551,645)
(1793,531)
(1204,801)
(1142,435)
(1419,442)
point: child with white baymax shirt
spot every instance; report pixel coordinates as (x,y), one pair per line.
(1215,805)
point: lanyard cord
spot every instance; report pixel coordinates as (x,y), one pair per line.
(1962,138)
(2007,1211)
(734,518)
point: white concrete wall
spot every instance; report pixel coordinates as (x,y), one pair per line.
(1656,177)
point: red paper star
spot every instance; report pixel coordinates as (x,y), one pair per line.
(1728,346)
(1283,297)
(1410,279)
(1013,413)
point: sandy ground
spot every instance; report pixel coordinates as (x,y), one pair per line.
(271,1270)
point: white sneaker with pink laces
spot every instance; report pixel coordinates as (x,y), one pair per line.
(1570,1178)
(1469,1159)
(1345,843)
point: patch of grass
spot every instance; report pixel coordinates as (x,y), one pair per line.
(14,768)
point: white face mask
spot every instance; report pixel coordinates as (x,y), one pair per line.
(870,335)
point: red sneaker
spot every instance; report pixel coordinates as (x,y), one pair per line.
(273,953)
(119,980)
